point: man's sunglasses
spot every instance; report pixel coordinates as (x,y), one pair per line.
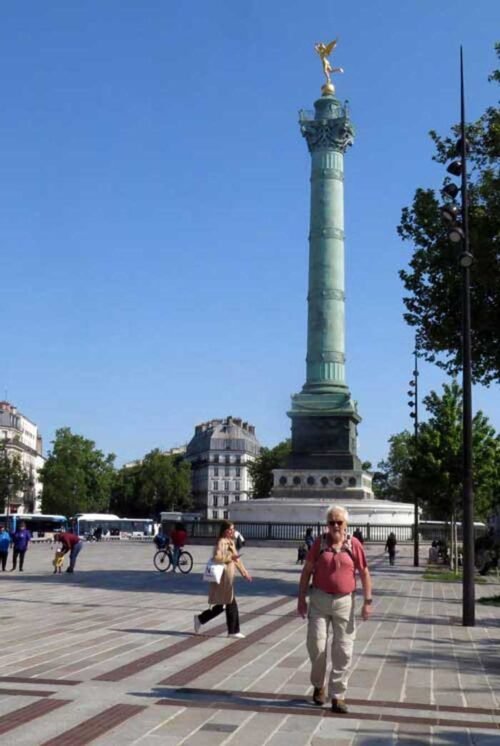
(335,523)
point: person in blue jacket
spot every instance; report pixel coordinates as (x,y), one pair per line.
(4,546)
(20,538)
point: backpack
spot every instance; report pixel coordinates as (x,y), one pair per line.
(239,541)
(346,546)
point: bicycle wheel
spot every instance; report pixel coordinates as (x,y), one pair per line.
(185,562)
(162,560)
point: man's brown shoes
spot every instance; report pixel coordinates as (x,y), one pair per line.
(339,706)
(319,695)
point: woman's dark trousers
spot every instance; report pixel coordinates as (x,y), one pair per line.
(18,553)
(3,558)
(232,616)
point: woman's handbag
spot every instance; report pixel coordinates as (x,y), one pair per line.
(213,572)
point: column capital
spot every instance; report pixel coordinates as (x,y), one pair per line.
(328,127)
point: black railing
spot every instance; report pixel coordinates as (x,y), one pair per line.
(295,531)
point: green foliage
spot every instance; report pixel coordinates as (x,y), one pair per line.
(393,480)
(445,575)
(160,482)
(13,476)
(434,281)
(489,600)
(261,470)
(431,469)
(77,478)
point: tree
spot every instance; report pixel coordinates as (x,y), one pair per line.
(261,469)
(159,482)
(13,476)
(434,281)
(77,478)
(394,478)
(431,469)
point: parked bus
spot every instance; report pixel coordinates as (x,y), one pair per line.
(435,530)
(40,526)
(85,524)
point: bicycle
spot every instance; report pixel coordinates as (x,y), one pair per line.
(163,560)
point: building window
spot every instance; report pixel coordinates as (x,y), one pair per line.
(226,499)
(238,459)
(216,471)
(226,485)
(228,445)
(227,459)
(238,471)
(226,514)
(216,459)
(237,486)
(227,471)
(216,500)
(237,498)
(215,485)
(215,514)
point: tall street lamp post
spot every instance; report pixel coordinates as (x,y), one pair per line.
(413,403)
(458,221)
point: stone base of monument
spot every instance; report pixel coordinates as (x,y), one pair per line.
(325,484)
(292,509)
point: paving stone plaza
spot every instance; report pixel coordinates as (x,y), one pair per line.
(108,656)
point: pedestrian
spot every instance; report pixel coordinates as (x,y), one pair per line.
(20,539)
(308,538)
(358,534)
(221,595)
(178,537)
(333,561)
(5,541)
(239,540)
(390,546)
(58,561)
(433,553)
(70,543)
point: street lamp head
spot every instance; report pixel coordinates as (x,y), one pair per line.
(466,259)
(449,213)
(455,168)
(413,415)
(411,403)
(456,234)
(450,190)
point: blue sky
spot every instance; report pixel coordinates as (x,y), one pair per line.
(154,205)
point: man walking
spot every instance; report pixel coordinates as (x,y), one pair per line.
(333,561)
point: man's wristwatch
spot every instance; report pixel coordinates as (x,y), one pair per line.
(368,601)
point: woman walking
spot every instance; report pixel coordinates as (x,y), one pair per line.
(221,594)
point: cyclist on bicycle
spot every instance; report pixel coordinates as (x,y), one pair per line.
(178,538)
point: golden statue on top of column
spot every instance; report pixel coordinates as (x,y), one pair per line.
(324,51)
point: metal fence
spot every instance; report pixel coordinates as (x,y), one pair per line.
(294,532)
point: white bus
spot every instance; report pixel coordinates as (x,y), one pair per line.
(40,525)
(112,526)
